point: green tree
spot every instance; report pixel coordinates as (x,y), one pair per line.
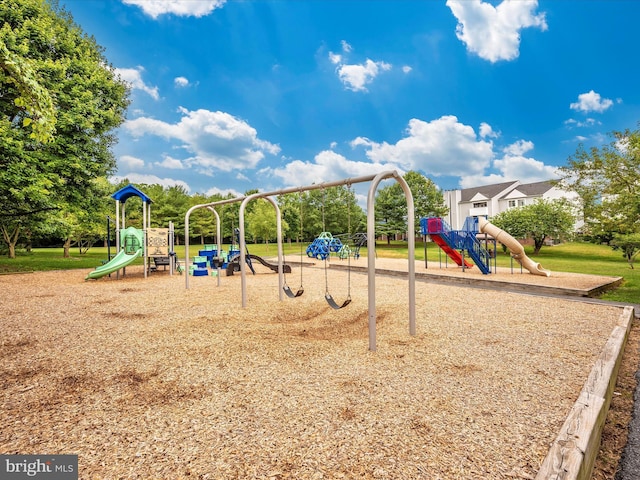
(291,209)
(427,197)
(262,222)
(540,220)
(32,104)
(391,212)
(83,225)
(202,221)
(629,244)
(607,180)
(391,204)
(45,56)
(333,210)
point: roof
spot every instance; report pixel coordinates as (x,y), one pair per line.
(533,189)
(488,191)
(130,191)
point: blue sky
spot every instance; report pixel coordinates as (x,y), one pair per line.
(239,94)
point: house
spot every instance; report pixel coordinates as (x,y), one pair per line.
(489,200)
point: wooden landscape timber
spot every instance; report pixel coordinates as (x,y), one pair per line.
(573,452)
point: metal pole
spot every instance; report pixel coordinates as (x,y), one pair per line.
(219,245)
(118,232)
(144,236)
(186,226)
(424,241)
(411,236)
(108,238)
(243,246)
(371,260)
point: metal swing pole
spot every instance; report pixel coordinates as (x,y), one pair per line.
(371,259)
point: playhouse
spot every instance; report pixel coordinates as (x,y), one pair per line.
(154,245)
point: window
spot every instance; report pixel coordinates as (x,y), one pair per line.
(512,203)
(521,203)
(480,205)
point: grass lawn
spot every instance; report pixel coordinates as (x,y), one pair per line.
(568,257)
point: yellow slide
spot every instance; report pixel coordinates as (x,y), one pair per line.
(514,246)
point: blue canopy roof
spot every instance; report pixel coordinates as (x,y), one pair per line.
(130,191)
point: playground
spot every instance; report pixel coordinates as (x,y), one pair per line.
(143,378)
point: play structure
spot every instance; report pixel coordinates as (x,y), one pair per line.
(210,257)
(472,243)
(233,256)
(370,241)
(154,245)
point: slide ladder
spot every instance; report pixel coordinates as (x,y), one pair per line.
(452,242)
(447,239)
(480,256)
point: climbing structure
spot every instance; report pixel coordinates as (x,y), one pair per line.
(457,243)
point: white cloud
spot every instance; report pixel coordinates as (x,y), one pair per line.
(150,180)
(181,82)
(588,122)
(518,148)
(326,166)
(441,147)
(513,166)
(406,69)
(131,163)
(216,140)
(171,163)
(493,33)
(182,8)
(525,169)
(133,76)
(355,77)
(591,102)
(224,193)
(346,48)
(487,131)
(335,58)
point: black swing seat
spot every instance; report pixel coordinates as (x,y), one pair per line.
(332,303)
(290,293)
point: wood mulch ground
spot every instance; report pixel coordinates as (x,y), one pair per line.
(145,379)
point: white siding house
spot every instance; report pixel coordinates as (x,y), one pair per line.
(490,200)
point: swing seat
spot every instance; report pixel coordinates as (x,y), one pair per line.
(332,303)
(290,293)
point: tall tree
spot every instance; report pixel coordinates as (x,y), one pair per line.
(391,212)
(391,204)
(262,223)
(49,158)
(82,224)
(291,209)
(540,220)
(607,180)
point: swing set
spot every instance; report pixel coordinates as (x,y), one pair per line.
(370,241)
(321,248)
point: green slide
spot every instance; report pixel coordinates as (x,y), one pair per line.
(121,260)
(131,239)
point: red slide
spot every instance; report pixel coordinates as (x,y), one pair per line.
(451,253)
